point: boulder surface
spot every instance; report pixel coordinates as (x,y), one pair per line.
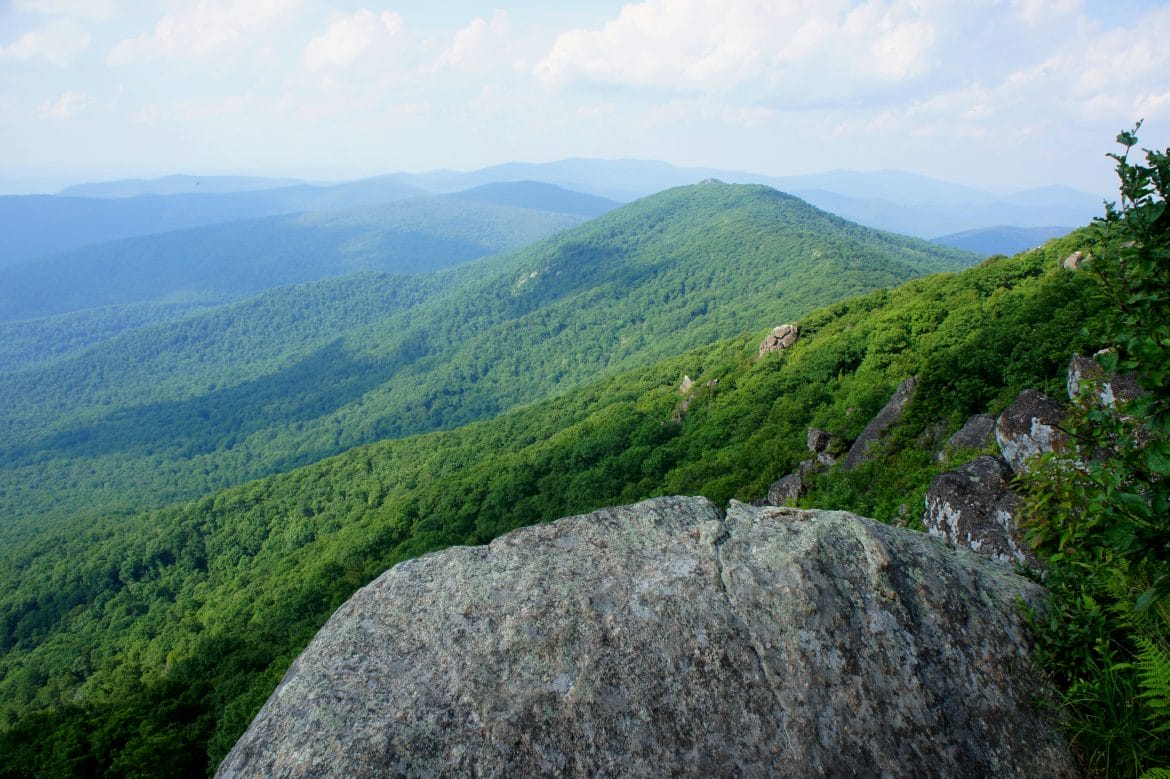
(1030,426)
(671,638)
(974,506)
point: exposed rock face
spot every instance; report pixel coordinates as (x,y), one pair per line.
(1110,389)
(974,506)
(1028,427)
(786,490)
(664,639)
(780,338)
(824,445)
(889,416)
(1074,261)
(977,432)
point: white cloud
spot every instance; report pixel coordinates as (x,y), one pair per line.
(58,43)
(201,30)
(90,9)
(68,105)
(480,39)
(349,37)
(698,45)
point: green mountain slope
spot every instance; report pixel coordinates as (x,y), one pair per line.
(173,412)
(226,262)
(147,642)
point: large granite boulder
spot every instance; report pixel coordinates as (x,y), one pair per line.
(1031,425)
(668,638)
(890,415)
(974,506)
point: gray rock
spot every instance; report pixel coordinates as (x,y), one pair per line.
(781,337)
(818,440)
(1074,261)
(974,506)
(824,445)
(786,490)
(976,433)
(667,639)
(1028,427)
(889,416)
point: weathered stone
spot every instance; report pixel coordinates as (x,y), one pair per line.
(1074,260)
(974,506)
(685,385)
(824,445)
(1028,427)
(976,433)
(1110,389)
(818,440)
(780,338)
(786,490)
(666,639)
(889,416)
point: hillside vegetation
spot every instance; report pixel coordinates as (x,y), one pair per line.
(176,411)
(143,645)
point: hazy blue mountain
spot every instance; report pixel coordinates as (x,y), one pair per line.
(1001,240)
(540,196)
(40,225)
(927,221)
(224,262)
(177,184)
(899,201)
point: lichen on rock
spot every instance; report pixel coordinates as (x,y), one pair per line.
(671,638)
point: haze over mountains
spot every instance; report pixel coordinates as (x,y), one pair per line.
(912,204)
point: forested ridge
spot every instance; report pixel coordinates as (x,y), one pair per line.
(175,411)
(143,644)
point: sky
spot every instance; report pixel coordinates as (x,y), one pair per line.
(1001,94)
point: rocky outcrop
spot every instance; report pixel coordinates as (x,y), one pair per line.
(1028,427)
(786,490)
(667,638)
(976,433)
(889,416)
(1074,261)
(1110,388)
(780,338)
(974,506)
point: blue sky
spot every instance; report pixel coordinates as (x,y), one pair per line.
(996,93)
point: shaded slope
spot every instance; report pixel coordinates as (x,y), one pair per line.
(39,225)
(650,280)
(220,263)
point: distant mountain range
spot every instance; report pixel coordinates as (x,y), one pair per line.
(223,262)
(908,203)
(1001,240)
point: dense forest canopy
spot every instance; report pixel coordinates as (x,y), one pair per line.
(152,639)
